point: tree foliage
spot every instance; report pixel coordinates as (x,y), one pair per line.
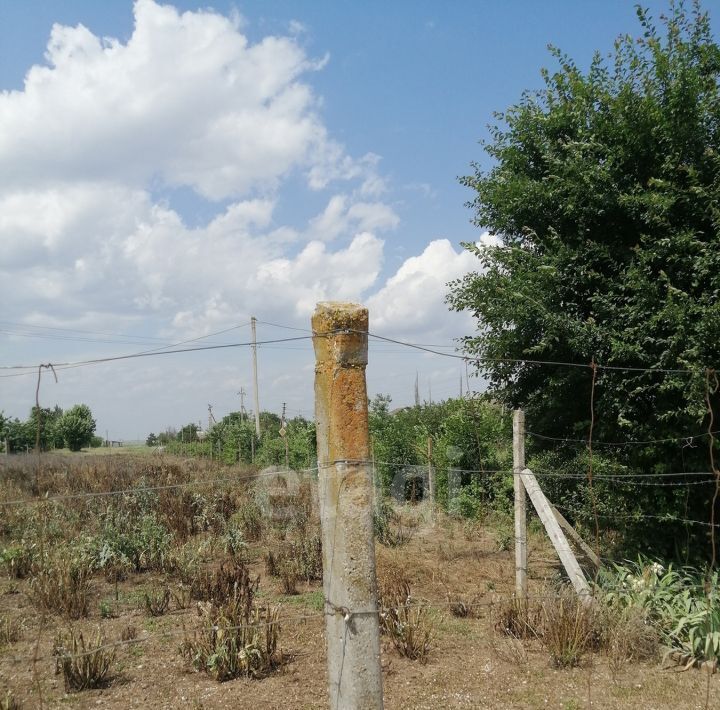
(604,193)
(467,434)
(77,427)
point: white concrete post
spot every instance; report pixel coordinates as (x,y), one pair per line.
(520,504)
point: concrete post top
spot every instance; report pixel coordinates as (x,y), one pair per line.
(338,315)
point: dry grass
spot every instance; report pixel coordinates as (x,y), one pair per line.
(629,638)
(8,701)
(406,621)
(128,633)
(11,630)
(62,587)
(465,660)
(83,665)
(157,600)
(518,619)
(569,630)
(510,649)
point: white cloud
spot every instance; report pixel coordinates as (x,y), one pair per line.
(413,299)
(188,100)
(343,214)
(318,275)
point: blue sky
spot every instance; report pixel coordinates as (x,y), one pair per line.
(119,219)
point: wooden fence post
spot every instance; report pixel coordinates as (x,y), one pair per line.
(558,539)
(520,504)
(352,625)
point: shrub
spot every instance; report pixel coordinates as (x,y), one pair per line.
(405,620)
(681,604)
(233,643)
(139,542)
(83,665)
(220,585)
(64,587)
(20,559)
(157,601)
(234,543)
(249,519)
(568,628)
(287,571)
(237,638)
(11,630)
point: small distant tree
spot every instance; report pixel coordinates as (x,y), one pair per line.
(167,436)
(77,427)
(151,440)
(188,433)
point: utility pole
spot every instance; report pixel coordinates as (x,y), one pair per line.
(417,389)
(253,320)
(283,434)
(243,413)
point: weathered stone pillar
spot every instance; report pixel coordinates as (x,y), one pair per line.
(346,507)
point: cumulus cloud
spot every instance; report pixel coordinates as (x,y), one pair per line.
(188,100)
(342,214)
(413,299)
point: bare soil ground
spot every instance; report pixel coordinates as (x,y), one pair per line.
(471,665)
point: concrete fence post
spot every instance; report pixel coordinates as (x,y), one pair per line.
(352,629)
(431,477)
(520,504)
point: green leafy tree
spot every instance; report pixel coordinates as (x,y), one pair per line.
(50,437)
(167,436)
(188,433)
(77,427)
(604,195)
(468,435)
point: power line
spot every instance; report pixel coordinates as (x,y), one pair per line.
(150,353)
(78,330)
(526,361)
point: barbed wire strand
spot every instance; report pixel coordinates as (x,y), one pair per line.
(139,490)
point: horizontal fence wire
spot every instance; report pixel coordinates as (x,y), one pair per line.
(625,480)
(687,439)
(138,490)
